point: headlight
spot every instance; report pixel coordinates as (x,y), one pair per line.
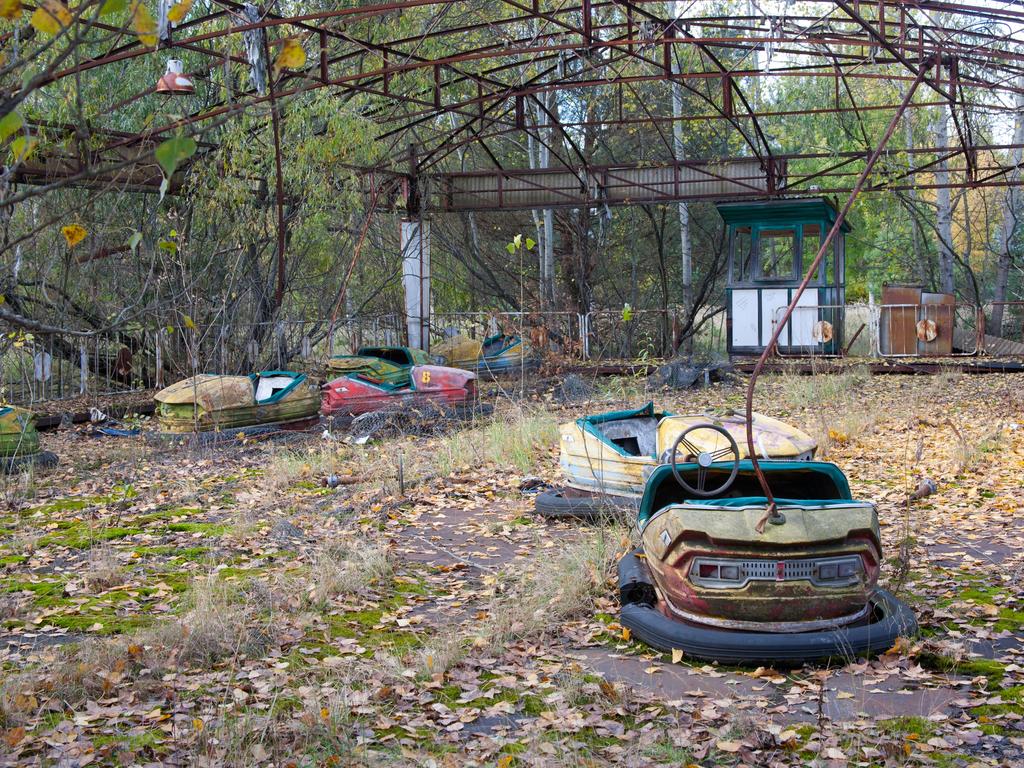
(828,572)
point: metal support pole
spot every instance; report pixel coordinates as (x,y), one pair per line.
(826,245)
(83,368)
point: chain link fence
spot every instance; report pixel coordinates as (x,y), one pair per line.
(43,366)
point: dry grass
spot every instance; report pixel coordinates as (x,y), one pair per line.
(287,467)
(221,620)
(840,413)
(17,489)
(819,391)
(103,570)
(559,588)
(516,436)
(970,450)
(350,568)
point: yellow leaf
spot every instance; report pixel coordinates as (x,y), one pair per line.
(626,634)
(325,714)
(505,761)
(22,147)
(198,724)
(190,323)
(292,55)
(10,9)
(14,736)
(179,11)
(51,17)
(74,234)
(143,24)
(677,655)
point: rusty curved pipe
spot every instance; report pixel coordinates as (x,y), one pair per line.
(872,159)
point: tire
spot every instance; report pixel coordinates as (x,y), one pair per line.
(41,460)
(560,503)
(890,619)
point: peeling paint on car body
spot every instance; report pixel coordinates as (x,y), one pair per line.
(597,453)
(358,393)
(775,582)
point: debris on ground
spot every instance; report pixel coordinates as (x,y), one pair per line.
(685,372)
(211,606)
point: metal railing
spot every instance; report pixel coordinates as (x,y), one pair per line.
(928,330)
(37,367)
(554,332)
(829,330)
(50,366)
(1008,339)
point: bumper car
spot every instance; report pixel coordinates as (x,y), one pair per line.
(501,353)
(722,576)
(19,441)
(389,364)
(607,458)
(259,402)
(450,390)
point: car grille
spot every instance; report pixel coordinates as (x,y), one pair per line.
(727,573)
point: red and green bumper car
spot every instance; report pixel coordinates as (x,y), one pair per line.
(450,390)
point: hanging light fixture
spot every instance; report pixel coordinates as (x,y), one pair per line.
(173,81)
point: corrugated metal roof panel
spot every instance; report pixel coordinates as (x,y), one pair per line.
(614,185)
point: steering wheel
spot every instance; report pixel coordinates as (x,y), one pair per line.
(704,460)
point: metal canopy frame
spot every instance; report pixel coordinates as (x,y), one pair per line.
(462,80)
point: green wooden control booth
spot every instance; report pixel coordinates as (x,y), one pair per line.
(771,243)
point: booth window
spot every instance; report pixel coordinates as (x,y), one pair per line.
(742,250)
(777,254)
(811,244)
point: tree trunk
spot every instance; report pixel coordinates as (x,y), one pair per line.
(539,152)
(1009,224)
(944,211)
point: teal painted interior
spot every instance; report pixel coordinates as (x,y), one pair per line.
(663,474)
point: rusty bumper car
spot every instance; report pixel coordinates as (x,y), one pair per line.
(19,442)
(391,365)
(231,405)
(721,576)
(498,354)
(606,458)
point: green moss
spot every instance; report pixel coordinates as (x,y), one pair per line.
(666,752)
(166,514)
(993,670)
(82,536)
(533,705)
(111,624)
(404,586)
(178,553)
(61,505)
(13,559)
(40,588)
(132,742)
(908,726)
(365,626)
(213,529)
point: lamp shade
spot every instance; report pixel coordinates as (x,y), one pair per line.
(173,81)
